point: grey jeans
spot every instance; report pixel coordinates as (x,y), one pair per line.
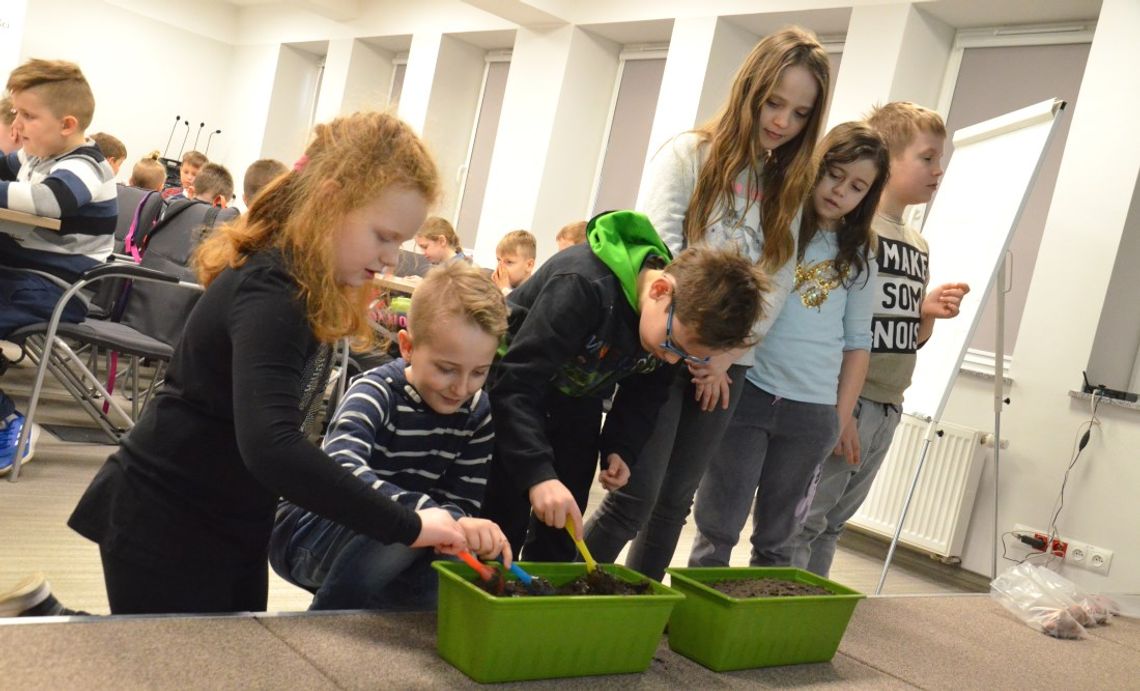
(772,451)
(842,489)
(654,504)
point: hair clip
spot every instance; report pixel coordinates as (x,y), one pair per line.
(301,163)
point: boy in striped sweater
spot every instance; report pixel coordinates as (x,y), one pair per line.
(57,173)
(419,430)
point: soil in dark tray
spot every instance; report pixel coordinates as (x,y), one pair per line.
(765,587)
(597,583)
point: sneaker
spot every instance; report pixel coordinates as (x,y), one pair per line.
(32,598)
(10,437)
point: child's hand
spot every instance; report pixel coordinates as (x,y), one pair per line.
(944,301)
(615,475)
(486,539)
(710,391)
(500,278)
(554,505)
(848,445)
(441,531)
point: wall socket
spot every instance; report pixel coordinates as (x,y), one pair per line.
(1079,554)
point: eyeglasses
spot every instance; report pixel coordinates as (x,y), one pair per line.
(672,347)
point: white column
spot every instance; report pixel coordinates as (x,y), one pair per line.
(891,53)
(12,15)
(418,78)
(550,135)
(333,80)
(704,56)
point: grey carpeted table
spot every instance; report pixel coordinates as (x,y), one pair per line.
(904,642)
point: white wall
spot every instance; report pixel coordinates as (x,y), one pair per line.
(291,104)
(135,71)
(12,15)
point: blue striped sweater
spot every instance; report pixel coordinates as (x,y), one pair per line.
(77,187)
(387,436)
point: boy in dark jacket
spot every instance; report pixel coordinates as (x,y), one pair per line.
(613,309)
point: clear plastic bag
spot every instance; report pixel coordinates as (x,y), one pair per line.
(1098,609)
(1039,604)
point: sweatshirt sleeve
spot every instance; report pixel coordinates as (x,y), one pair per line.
(72,183)
(268,363)
(554,329)
(634,412)
(670,181)
(10,165)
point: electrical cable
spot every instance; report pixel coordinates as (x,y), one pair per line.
(1079,445)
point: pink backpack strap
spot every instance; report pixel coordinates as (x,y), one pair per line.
(129,241)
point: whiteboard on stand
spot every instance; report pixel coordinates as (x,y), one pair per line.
(968,230)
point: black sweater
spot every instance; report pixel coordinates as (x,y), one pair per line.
(572,333)
(199,475)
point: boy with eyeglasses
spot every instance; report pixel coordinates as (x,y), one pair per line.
(615,308)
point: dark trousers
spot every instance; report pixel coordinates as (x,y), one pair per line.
(573,427)
(188,587)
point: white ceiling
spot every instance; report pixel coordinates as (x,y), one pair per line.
(965,14)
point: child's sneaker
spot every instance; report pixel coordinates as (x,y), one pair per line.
(10,436)
(30,598)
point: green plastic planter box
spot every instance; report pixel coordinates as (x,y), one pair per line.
(492,638)
(725,633)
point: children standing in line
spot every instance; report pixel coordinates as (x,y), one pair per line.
(736,182)
(183,510)
(808,371)
(613,309)
(60,174)
(515,256)
(418,431)
(915,136)
(438,241)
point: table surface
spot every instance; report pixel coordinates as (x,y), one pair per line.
(28,219)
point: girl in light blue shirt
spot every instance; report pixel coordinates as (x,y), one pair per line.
(809,369)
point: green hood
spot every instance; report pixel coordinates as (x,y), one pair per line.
(623,240)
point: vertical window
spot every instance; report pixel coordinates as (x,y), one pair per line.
(474,184)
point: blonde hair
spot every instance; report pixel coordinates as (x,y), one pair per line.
(900,121)
(214,180)
(574,233)
(148,173)
(194,158)
(60,85)
(7,116)
(733,145)
(437,228)
(520,242)
(718,294)
(111,146)
(259,174)
(456,290)
(349,163)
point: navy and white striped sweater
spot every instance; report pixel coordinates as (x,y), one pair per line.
(77,187)
(388,437)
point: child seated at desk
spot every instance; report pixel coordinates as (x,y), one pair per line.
(418,429)
(61,174)
(148,173)
(515,258)
(438,241)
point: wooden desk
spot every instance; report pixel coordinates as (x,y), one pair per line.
(28,219)
(395,283)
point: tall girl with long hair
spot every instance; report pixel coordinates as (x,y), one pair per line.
(182,511)
(736,181)
(808,372)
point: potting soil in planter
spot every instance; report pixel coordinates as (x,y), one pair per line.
(597,583)
(765,587)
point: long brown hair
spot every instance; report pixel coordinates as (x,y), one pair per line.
(847,143)
(734,145)
(349,163)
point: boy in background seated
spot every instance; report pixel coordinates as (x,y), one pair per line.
(213,185)
(192,162)
(148,173)
(418,430)
(114,150)
(614,309)
(259,174)
(9,142)
(60,174)
(515,256)
(571,234)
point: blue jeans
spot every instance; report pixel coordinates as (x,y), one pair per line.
(772,451)
(842,489)
(653,506)
(347,570)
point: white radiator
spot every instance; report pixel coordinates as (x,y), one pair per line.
(940,511)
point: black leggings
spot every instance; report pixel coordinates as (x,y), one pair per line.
(167,587)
